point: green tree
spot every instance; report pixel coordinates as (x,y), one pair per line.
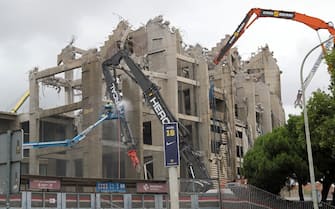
(295,127)
(282,153)
(321,114)
(272,159)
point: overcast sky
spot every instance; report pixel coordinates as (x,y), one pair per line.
(33,32)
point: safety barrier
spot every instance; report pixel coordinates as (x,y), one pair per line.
(49,200)
(230,197)
(251,197)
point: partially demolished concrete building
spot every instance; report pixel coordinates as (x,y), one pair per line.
(225,107)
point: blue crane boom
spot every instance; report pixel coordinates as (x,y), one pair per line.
(108,115)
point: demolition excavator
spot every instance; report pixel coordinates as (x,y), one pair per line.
(195,167)
(312,22)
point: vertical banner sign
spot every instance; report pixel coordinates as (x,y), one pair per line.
(171,144)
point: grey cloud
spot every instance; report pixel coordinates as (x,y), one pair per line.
(34,31)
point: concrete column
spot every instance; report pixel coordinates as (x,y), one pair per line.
(34,122)
(271,72)
(265,102)
(70,164)
(230,102)
(173,187)
(69,96)
(170,92)
(250,93)
(52,167)
(202,101)
(70,167)
(160,172)
(92,109)
(67,55)
(161,38)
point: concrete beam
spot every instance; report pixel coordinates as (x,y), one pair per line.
(50,150)
(7,115)
(218,90)
(64,120)
(59,120)
(186,58)
(156,52)
(57,157)
(76,84)
(60,110)
(62,68)
(218,95)
(58,81)
(152,148)
(152,73)
(23,117)
(74,152)
(189,117)
(155,74)
(188,81)
(110,143)
(54,156)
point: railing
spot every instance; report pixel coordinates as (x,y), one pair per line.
(248,196)
(231,197)
(47,200)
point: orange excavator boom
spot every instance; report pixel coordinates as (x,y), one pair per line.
(313,22)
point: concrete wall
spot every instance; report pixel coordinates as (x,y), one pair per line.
(263,71)
(263,106)
(8,121)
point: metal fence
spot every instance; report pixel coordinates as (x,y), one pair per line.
(231,197)
(250,197)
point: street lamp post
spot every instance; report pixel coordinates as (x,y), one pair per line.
(307,132)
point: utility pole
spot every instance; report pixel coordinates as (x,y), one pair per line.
(172,160)
(307,132)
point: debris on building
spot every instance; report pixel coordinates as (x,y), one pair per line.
(225,107)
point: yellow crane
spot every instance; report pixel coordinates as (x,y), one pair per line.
(20,102)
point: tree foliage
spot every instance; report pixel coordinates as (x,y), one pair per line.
(272,160)
(321,114)
(282,153)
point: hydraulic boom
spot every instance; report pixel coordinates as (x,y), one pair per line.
(312,22)
(196,168)
(128,139)
(108,115)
